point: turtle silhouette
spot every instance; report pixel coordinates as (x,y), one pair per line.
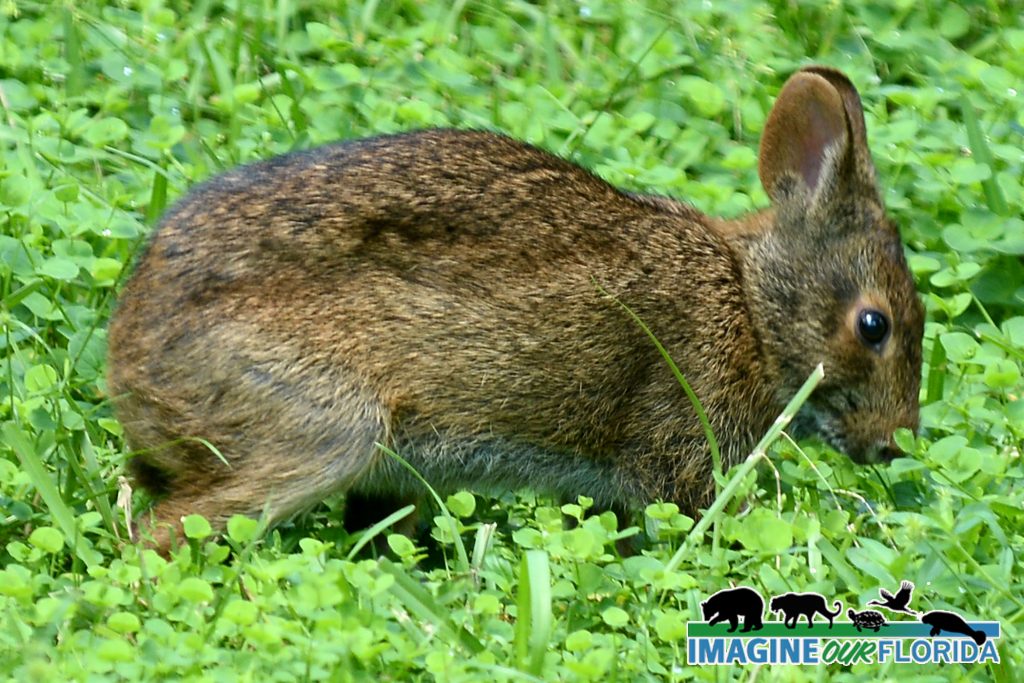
(897,602)
(869,618)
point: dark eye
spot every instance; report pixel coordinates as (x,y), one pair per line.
(873,326)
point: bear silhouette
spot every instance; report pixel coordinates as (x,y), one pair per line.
(731,604)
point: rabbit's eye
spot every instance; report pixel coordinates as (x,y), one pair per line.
(873,326)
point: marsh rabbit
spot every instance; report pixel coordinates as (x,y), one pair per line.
(443,292)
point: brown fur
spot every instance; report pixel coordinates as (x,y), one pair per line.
(435,292)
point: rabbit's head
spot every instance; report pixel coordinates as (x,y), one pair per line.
(828,272)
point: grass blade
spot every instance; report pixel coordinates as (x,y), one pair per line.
(781,422)
(628,78)
(534,618)
(422,604)
(94,482)
(374,530)
(47,488)
(74,82)
(460,548)
(936,372)
(983,155)
(16,297)
(157,198)
(484,535)
(716,456)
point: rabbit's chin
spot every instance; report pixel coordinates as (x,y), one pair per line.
(819,421)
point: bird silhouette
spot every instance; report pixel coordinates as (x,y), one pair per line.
(898,602)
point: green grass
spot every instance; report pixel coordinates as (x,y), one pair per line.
(110,111)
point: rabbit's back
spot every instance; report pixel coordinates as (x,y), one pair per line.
(430,205)
(448,268)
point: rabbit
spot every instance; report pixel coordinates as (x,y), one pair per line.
(446,293)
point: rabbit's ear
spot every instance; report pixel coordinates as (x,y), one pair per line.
(815,140)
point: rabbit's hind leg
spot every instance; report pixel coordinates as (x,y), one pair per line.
(287,480)
(273,447)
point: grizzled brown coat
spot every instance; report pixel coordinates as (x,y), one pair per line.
(436,292)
